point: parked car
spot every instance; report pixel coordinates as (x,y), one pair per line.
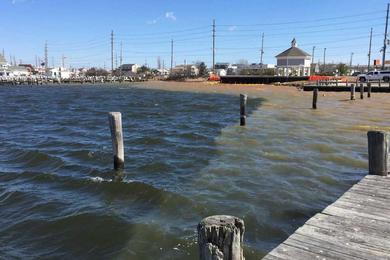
(375,75)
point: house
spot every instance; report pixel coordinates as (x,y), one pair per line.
(129,68)
(293,62)
(59,73)
(186,70)
(221,68)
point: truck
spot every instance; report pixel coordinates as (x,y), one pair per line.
(375,76)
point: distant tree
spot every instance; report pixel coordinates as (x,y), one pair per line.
(202,69)
(342,68)
(243,61)
(94,72)
(143,69)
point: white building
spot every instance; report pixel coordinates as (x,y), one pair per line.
(187,70)
(59,73)
(129,68)
(293,62)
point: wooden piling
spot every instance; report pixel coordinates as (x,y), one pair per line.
(115,120)
(352,92)
(368,90)
(346,82)
(379,83)
(361,91)
(315,96)
(221,238)
(378,153)
(243,99)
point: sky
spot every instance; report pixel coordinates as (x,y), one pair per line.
(80,30)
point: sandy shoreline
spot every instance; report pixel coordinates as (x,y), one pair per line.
(216,87)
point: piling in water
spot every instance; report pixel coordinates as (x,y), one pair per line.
(221,237)
(378,153)
(115,120)
(315,96)
(243,99)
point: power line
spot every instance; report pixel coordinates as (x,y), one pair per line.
(302,21)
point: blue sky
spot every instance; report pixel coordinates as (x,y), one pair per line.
(80,30)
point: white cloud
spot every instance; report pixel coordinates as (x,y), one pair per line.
(232,28)
(14,2)
(153,21)
(170,15)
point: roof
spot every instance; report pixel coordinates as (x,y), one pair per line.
(293,52)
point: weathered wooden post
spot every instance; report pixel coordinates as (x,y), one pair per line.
(352,92)
(315,96)
(243,99)
(379,83)
(378,152)
(361,91)
(337,82)
(346,82)
(115,120)
(368,90)
(221,237)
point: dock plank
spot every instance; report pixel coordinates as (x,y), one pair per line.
(356,226)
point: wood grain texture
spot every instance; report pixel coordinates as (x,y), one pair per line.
(356,226)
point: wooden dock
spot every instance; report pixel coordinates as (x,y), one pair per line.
(356,226)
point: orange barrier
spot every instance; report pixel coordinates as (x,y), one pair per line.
(214,78)
(315,78)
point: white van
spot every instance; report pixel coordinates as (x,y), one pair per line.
(374,76)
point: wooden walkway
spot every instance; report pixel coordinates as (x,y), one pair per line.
(356,226)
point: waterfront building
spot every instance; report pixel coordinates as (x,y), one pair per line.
(129,68)
(186,70)
(59,73)
(293,62)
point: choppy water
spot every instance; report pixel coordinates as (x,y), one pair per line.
(186,158)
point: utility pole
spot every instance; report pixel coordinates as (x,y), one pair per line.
(171,55)
(63,60)
(369,52)
(46,58)
(262,49)
(324,58)
(350,61)
(312,54)
(112,51)
(312,60)
(213,45)
(120,61)
(121,56)
(385,40)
